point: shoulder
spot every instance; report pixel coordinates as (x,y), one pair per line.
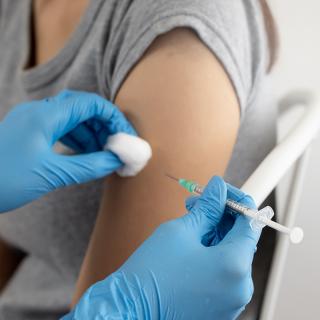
(232,30)
(238,22)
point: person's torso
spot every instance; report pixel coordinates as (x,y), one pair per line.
(55,230)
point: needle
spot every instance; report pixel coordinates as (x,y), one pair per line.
(171,177)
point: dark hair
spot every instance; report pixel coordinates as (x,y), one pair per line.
(271,30)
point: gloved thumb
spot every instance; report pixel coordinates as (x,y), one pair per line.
(78,169)
(208,209)
(190,202)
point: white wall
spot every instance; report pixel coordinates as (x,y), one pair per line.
(299,67)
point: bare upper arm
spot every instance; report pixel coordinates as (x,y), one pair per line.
(180,99)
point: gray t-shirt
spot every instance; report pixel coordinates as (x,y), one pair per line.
(110,39)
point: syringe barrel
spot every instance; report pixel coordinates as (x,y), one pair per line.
(241,209)
(198,189)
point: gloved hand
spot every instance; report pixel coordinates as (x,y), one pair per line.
(175,274)
(29,168)
(91,135)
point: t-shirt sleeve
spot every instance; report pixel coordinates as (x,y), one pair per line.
(1,14)
(232,30)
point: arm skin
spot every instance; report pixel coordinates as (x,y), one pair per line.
(180,99)
(9,261)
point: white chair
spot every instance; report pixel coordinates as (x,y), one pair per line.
(291,151)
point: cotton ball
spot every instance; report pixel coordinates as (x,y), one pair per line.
(133,151)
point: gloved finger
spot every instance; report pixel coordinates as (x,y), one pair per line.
(222,228)
(209,208)
(86,167)
(242,238)
(70,108)
(86,138)
(229,217)
(190,202)
(109,115)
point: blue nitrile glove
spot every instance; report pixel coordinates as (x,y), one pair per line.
(29,168)
(226,221)
(176,275)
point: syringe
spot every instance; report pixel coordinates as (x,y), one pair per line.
(259,218)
